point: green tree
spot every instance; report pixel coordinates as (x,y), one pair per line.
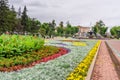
(103,30)
(7,17)
(114,31)
(52,28)
(53,25)
(68,24)
(60,29)
(76,29)
(12,19)
(42,31)
(24,20)
(61,24)
(100,28)
(34,25)
(95,30)
(45,29)
(4,13)
(13,10)
(69,30)
(19,13)
(100,23)
(18,27)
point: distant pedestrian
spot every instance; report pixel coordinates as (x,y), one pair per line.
(7,33)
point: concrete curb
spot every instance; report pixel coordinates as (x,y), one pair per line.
(115,59)
(90,71)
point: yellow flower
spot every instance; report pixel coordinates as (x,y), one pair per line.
(79,44)
(80,72)
(70,78)
(46,41)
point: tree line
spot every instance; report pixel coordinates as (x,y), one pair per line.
(20,23)
(100,28)
(115,31)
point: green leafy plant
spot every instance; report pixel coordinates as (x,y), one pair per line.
(16,45)
(28,58)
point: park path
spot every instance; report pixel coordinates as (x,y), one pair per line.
(115,44)
(115,47)
(104,68)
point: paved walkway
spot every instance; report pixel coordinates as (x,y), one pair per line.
(104,67)
(116,45)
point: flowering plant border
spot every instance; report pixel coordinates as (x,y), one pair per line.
(80,72)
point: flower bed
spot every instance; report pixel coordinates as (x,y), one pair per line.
(17,52)
(70,40)
(16,45)
(80,72)
(57,69)
(75,42)
(79,44)
(18,62)
(36,59)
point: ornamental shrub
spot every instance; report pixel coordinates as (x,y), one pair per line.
(16,45)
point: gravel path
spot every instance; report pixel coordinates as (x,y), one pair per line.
(104,67)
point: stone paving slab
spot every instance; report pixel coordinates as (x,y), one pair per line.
(115,44)
(104,67)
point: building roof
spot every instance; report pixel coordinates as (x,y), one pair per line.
(84,27)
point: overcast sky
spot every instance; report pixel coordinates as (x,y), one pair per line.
(77,12)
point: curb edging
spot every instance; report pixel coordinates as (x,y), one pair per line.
(91,68)
(114,59)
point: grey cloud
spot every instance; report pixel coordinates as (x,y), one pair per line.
(38,4)
(78,12)
(16,1)
(41,4)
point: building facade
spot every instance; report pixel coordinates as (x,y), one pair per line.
(83,31)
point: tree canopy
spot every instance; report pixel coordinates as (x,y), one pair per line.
(20,23)
(7,17)
(99,28)
(115,31)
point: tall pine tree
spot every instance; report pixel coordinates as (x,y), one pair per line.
(18,28)
(7,17)
(24,20)
(12,19)
(4,12)
(19,13)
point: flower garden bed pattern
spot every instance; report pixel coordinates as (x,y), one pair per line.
(80,72)
(70,40)
(90,70)
(61,52)
(57,69)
